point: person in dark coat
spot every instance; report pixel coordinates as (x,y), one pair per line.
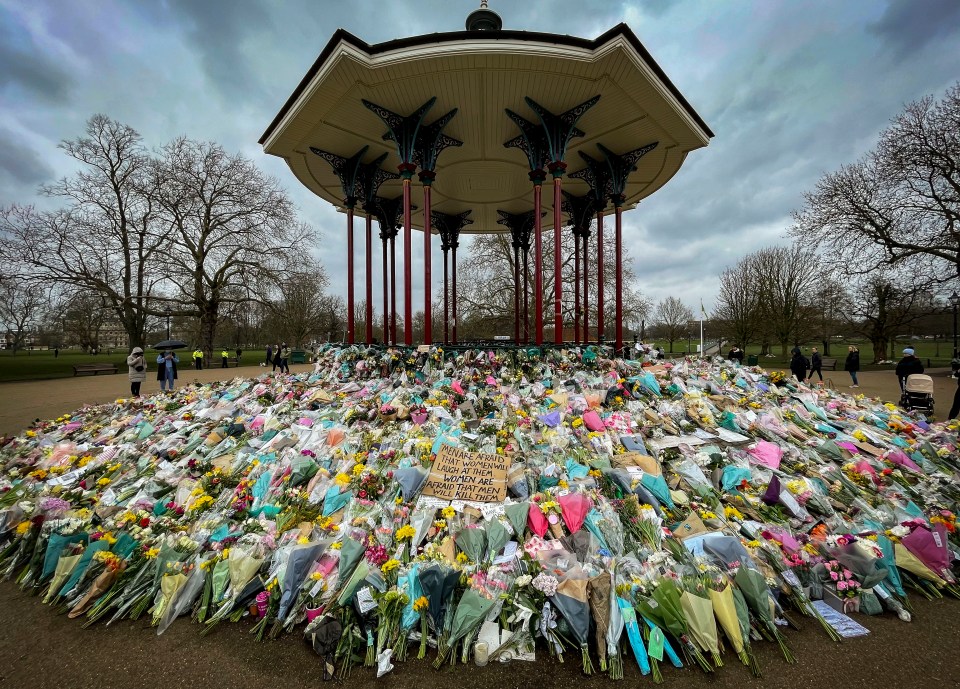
(955,409)
(909,365)
(167,369)
(816,363)
(799,365)
(269,354)
(852,365)
(736,355)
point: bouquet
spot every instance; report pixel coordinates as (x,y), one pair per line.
(756,593)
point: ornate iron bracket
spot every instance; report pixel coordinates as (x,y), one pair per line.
(348,170)
(402,130)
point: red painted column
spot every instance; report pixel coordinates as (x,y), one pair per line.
(386,293)
(526,294)
(453,256)
(369,337)
(516,294)
(537,177)
(393,287)
(576,285)
(618,258)
(349,274)
(406,171)
(446,308)
(556,169)
(600,276)
(426,178)
(586,286)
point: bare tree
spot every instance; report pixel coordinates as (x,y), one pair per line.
(739,304)
(104,240)
(885,304)
(787,281)
(21,307)
(829,306)
(672,318)
(298,312)
(232,231)
(900,201)
(83,315)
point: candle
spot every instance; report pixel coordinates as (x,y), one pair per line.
(481,653)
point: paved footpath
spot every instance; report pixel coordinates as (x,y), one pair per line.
(22,402)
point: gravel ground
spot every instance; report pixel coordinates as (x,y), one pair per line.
(39,649)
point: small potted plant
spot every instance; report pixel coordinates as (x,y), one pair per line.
(419,415)
(388,413)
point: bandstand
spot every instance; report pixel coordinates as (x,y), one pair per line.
(484,118)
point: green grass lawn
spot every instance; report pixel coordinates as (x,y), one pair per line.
(927,350)
(38,365)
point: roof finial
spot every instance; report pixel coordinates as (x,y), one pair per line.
(483,19)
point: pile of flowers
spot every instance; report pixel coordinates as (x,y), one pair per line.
(651,510)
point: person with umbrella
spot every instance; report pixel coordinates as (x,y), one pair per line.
(167,368)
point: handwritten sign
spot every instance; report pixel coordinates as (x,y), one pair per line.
(461,475)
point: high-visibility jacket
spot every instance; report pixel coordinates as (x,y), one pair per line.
(225,354)
(198,354)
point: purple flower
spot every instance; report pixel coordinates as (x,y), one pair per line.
(54,507)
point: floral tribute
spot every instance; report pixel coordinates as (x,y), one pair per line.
(659,513)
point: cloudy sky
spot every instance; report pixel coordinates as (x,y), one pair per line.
(791,89)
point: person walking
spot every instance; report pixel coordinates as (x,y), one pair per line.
(955,365)
(799,365)
(136,370)
(198,359)
(224,355)
(284,358)
(56,352)
(909,365)
(816,364)
(852,365)
(269,356)
(167,370)
(239,352)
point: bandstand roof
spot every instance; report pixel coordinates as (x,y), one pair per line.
(481,73)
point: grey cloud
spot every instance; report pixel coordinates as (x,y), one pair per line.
(218,29)
(908,26)
(21,168)
(26,67)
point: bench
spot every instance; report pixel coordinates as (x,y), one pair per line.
(829,364)
(94,369)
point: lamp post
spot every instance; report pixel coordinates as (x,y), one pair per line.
(166,311)
(954,302)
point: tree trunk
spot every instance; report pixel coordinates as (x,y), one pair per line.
(879,348)
(209,313)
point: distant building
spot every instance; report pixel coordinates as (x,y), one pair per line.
(112,334)
(10,336)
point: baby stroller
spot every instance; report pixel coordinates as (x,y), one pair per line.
(918,394)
